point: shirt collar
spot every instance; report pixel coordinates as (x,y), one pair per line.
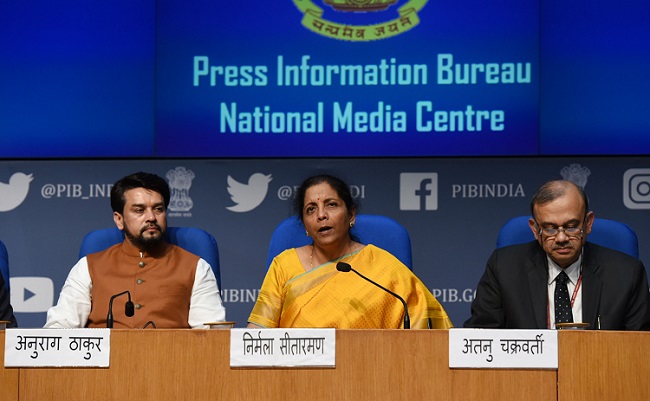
(573,270)
(132,251)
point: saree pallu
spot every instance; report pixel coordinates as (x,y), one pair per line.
(325,297)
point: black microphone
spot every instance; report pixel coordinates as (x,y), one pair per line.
(345,267)
(129,309)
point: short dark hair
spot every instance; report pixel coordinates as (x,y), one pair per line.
(552,190)
(342,189)
(140,179)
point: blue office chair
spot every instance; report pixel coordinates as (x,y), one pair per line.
(194,240)
(4,265)
(381,231)
(609,233)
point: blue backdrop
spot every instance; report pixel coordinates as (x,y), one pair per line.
(489,98)
(451,241)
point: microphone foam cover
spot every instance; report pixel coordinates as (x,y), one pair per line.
(129,309)
(343,267)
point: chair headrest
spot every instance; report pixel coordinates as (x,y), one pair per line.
(608,233)
(192,239)
(380,231)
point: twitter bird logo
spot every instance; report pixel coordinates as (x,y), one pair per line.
(14,193)
(248,196)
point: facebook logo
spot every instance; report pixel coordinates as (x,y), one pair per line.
(418,191)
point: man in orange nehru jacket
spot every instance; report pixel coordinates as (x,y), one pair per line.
(171,287)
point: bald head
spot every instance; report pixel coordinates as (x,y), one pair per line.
(553,190)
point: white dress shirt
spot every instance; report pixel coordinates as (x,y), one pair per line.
(573,271)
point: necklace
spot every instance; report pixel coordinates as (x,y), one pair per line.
(311,255)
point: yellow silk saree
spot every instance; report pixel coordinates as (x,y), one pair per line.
(325,297)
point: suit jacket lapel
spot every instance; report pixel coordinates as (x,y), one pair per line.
(538,287)
(591,288)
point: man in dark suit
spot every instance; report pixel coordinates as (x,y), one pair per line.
(6,311)
(607,289)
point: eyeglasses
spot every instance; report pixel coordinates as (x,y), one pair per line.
(552,232)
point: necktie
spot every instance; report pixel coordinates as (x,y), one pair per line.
(563,312)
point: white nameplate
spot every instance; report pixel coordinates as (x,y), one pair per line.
(57,347)
(283,348)
(490,348)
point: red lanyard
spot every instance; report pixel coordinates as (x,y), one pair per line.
(573,299)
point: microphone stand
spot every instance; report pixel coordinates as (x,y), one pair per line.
(128,308)
(345,267)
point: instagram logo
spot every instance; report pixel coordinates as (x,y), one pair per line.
(636,188)
(418,191)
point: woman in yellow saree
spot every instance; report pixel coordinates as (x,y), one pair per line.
(304,289)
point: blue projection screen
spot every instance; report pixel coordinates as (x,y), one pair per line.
(76,79)
(304,78)
(323,78)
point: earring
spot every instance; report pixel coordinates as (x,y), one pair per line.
(351,224)
(306,233)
